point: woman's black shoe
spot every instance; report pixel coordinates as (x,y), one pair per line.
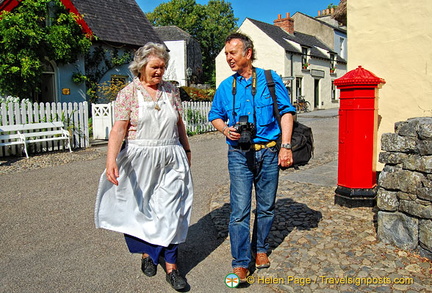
(148,267)
(176,281)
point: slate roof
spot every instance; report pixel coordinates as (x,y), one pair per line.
(342,30)
(279,35)
(172,33)
(117,21)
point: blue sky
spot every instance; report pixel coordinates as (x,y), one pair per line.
(261,10)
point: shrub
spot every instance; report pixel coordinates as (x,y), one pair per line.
(199,95)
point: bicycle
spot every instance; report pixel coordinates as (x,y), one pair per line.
(302,105)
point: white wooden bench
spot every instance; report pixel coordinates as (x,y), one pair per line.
(23,134)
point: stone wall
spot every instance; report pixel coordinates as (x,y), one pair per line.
(404,197)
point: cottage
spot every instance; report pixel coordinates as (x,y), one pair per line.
(306,64)
(324,27)
(117,28)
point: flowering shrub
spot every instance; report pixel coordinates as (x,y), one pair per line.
(199,95)
(10,99)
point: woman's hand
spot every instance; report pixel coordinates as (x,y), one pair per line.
(117,134)
(112,172)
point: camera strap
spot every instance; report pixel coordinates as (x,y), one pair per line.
(254,90)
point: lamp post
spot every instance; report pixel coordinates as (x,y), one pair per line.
(188,75)
(287,82)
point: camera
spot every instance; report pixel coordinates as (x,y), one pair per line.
(247,132)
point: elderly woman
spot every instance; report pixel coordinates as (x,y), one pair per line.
(146,189)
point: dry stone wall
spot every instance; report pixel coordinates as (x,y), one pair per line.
(404,196)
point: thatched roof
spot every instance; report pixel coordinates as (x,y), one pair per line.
(341,12)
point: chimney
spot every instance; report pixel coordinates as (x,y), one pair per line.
(285,23)
(326,12)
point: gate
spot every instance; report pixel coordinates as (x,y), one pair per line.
(103,119)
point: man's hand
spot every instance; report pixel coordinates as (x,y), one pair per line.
(285,158)
(231,133)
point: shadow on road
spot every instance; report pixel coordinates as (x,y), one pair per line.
(291,215)
(211,231)
(204,237)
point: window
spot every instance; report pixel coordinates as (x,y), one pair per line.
(51,7)
(333,93)
(116,84)
(305,59)
(118,80)
(332,61)
(341,47)
(108,90)
(298,87)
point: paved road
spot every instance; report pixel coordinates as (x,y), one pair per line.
(49,243)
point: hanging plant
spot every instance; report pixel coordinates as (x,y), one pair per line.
(78,77)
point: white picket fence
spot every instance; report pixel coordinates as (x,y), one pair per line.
(194,115)
(73,115)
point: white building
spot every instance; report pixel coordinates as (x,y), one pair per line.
(325,28)
(307,65)
(185,64)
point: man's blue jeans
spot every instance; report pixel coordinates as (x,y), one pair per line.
(247,169)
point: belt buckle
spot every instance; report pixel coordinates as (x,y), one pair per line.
(271,144)
(258,146)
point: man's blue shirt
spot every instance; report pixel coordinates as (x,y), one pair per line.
(258,108)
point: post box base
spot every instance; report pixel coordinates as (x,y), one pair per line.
(355,197)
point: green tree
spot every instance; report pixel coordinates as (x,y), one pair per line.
(208,24)
(35,31)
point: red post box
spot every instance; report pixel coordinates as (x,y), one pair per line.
(358,125)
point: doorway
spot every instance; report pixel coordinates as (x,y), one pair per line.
(316,93)
(47,93)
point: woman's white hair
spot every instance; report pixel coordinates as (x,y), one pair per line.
(142,55)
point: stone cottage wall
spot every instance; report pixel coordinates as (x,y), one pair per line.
(404,196)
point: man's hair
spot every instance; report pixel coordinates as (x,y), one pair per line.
(247,43)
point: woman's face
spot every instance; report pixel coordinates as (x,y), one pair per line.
(152,73)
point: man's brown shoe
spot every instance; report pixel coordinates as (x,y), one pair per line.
(242,273)
(262,261)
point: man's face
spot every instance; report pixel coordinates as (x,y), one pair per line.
(235,57)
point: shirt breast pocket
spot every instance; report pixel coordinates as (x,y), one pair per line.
(264,108)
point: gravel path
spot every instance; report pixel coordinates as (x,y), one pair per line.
(22,164)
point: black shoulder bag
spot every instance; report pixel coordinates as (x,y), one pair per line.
(302,137)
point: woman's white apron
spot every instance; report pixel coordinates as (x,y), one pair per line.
(153,200)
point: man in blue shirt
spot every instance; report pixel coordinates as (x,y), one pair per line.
(242,110)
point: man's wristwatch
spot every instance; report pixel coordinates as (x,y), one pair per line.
(286,146)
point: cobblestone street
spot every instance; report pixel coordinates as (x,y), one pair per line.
(49,243)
